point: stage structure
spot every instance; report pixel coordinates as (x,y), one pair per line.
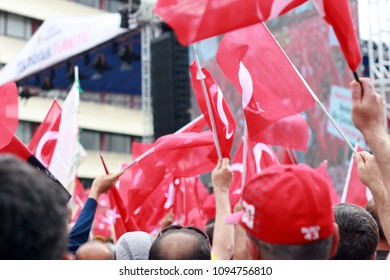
(377,46)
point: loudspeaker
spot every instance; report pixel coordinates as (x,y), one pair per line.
(170,86)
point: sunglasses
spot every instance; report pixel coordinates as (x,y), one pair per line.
(179,227)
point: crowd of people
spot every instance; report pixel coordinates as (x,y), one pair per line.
(285,212)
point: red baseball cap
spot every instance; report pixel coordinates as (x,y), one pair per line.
(286,204)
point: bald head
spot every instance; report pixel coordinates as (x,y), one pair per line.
(94,250)
(180,245)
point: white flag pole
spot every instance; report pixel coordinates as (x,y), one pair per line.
(244,156)
(76,74)
(206,96)
(348,178)
(317,100)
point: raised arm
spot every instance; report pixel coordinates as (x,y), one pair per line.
(223,241)
(368,115)
(80,232)
(370,175)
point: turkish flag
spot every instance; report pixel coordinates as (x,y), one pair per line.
(44,141)
(17,148)
(145,175)
(291,132)
(123,220)
(355,192)
(197,125)
(338,15)
(104,218)
(9,118)
(271,87)
(225,125)
(193,210)
(195,20)
(149,215)
(259,156)
(79,197)
(289,157)
(187,154)
(323,170)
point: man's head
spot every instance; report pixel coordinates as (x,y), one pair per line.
(94,250)
(134,245)
(33,213)
(372,209)
(288,214)
(181,243)
(358,233)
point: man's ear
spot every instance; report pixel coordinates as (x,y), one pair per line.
(335,241)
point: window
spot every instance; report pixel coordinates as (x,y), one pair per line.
(117,143)
(115,5)
(91,3)
(24,132)
(90,140)
(15,25)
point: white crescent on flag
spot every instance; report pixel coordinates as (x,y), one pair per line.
(246,83)
(171,196)
(258,150)
(49,135)
(221,112)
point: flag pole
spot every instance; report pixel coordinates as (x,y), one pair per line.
(291,156)
(348,178)
(244,156)
(356,76)
(315,97)
(336,126)
(148,152)
(206,96)
(76,74)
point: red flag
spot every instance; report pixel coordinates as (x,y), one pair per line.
(288,156)
(9,118)
(208,206)
(123,220)
(17,148)
(259,157)
(355,192)
(156,206)
(104,218)
(44,141)
(225,124)
(237,169)
(197,125)
(271,87)
(146,175)
(193,210)
(80,196)
(291,132)
(323,170)
(200,19)
(338,15)
(180,153)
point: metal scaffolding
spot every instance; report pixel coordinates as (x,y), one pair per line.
(377,46)
(150,29)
